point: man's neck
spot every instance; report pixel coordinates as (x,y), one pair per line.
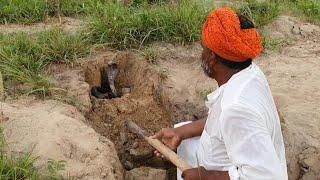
(224,75)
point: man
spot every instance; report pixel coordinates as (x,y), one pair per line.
(241,137)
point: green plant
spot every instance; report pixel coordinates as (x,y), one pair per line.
(203,93)
(310,8)
(21,11)
(2,139)
(63,97)
(22,166)
(23,57)
(18,168)
(61,47)
(71,7)
(151,55)
(122,26)
(54,167)
(31,11)
(261,12)
(270,43)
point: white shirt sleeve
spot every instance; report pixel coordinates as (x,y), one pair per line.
(249,145)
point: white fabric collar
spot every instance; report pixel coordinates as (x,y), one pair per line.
(212,97)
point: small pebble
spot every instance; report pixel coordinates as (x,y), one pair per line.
(87,160)
(103,174)
(125,91)
(135,145)
(133,152)
(123,138)
(128,165)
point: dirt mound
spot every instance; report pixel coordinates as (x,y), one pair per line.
(293,74)
(53,130)
(72,81)
(294,80)
(186,86)
(286,27)
(146,173)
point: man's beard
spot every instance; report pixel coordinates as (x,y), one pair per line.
(206,66)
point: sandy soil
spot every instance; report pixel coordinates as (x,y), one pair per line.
(293,74)
(72,86)
(52,130)
(185,88)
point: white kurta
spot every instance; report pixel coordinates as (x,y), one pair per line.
(242,134)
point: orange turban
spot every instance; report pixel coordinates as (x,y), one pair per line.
(223,35)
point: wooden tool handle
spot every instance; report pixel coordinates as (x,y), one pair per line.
(168,153)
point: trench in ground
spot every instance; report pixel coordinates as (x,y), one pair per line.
(139,99)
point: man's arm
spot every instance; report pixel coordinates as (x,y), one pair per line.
(192,129)
(203,174)
(172,137)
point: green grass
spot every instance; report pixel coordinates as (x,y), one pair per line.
(203,93)
(129,27)
(261,13)
(31,11)
(18,168)
(265,12)
(272,44)
(22,11)
(60,47)
(310,9)
(22,166)
(72,8)
(24,57)
(150,55)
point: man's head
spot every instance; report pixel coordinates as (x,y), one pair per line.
(229,41)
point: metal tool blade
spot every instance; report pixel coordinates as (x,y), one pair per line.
(134,128)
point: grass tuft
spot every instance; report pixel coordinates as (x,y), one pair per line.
(151,55)
(272,44)
(60,47)
(22,11)
(261,13)
(22,166)
(266,11)
(309,8)
(31,11)
(122,26)
(23,57)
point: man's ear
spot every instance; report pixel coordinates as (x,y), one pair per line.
(213,57)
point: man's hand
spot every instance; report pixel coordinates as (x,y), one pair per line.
(196,173)
(193,174)
(170,137)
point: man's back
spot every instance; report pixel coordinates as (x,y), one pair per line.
(243,132)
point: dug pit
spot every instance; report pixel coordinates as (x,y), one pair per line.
(138,98)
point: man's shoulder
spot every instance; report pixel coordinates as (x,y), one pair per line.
(248,88)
